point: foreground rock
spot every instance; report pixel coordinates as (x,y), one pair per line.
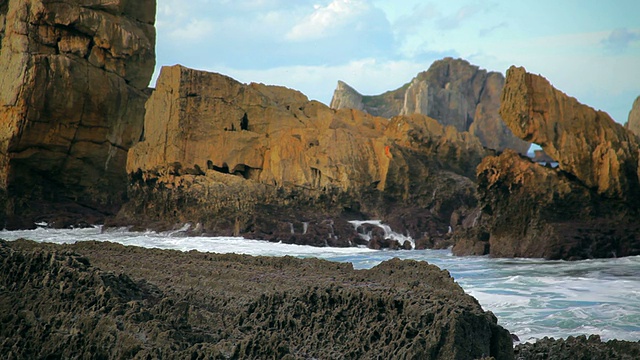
(267,163)
(580,347)
(586,207)
(101,300)
(453,92)
(73,77)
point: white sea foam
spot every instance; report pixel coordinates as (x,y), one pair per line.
(388,232)
(532,298)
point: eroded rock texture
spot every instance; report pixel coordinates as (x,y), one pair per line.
(586,207)
(453,92)
(101,300)
(581,347)
(73,76)
(266,162)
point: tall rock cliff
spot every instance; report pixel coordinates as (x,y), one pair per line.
(266,162)
(453,92)
(633,123)
(586,207)
(73,80)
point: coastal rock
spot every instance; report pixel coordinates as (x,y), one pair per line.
(103,300)
(73,79)
(586,143)
(633,123)
(265,162)
(453,92)
(587,207)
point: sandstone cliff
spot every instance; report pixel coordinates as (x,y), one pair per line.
(73,76)
(453,92)
(633,123)
(266,162)
(586,207)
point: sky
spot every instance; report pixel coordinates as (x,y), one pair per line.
(589,49)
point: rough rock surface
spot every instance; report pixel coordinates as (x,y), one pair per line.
(633,123)
(580,347)
(453,92)
(587,207)
(265,162)
(101,300)
(73,77)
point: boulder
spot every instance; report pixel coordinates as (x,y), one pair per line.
(73,83)
(633,123)
(261,161)
(453,92)
(108,301)
(587,207)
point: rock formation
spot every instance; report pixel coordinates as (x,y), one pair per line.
(108,301)
(266,162)
(453,92)
(586,207)
(73,79)
(633,123)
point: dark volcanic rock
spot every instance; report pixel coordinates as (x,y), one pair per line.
(580,347)
(587,207)
(453,92)
(267,163)
(73,84)
(101,300)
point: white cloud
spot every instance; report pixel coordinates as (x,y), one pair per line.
(328,20)
(194,31)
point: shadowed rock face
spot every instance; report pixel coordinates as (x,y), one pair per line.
(266,162)
(73,76)
(102,300)
(453,92)
(587,207)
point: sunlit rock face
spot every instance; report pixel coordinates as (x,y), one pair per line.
(265,162)
(452,91)
(586,207)
(73,80)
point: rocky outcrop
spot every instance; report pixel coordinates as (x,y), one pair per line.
(586,143)
(101,300)
(453,92)
(633,123)
(73,79)
(586,207)
(265,162)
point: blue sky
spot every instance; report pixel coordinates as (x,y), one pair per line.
(589,49)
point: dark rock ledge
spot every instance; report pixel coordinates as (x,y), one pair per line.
(107,301)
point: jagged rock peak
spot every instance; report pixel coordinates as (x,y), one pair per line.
(633,123)
(452,91)
(346,97)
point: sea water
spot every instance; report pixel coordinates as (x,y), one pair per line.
(531,298)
